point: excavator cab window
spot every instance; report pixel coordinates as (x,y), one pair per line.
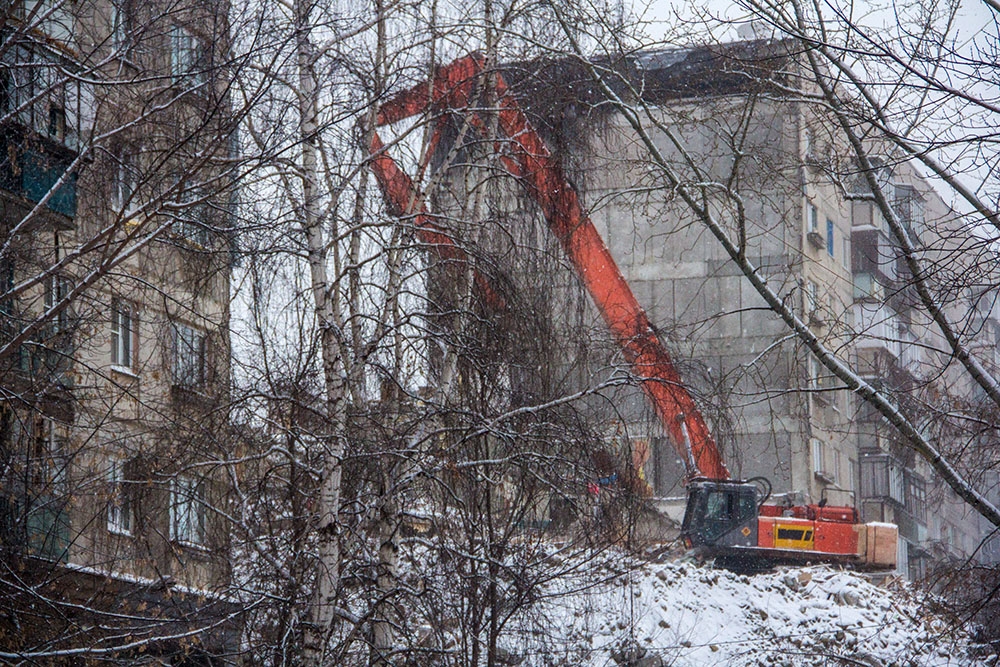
(715,511)
(720,506)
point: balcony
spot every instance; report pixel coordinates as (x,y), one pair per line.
(30,167)
(50,18)
(882,478)
(886,481)
(877,327)
(38,526)
(45,109)
(872,252)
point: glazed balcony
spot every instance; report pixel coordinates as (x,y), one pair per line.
(36,525)
(877,327)
(31,167)
(45,109)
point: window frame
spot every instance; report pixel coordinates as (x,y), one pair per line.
(817,455)
(192,224)
(121,510)
(57,288)
(812,297)
(7,281)
(188,367)
(122,26)
(830,237)
(187,57)
(125,184)
(188,515)
(124,342)
(57,122)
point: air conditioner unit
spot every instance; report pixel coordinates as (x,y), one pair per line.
(816,240)
(133,223)
(826,381)
(825,477)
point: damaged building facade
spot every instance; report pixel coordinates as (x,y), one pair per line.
(774,168)
(802,217)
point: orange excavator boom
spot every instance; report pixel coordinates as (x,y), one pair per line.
(455,89)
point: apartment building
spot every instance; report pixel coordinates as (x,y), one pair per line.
(114,368)
(805,221)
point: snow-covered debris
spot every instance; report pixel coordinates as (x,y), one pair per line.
(680,613)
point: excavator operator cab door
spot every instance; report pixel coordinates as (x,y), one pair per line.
(720,514)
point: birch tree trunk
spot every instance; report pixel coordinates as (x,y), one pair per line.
(321,611)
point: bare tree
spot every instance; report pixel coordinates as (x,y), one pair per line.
(399,486)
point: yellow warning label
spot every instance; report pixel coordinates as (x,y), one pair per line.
(746,531)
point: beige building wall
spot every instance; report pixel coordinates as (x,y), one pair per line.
(116,406)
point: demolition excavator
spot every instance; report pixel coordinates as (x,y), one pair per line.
(726,519)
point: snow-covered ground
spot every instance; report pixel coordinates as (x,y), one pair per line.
(680,613)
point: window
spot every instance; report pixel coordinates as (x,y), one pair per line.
(916,496)
(813,218)
(909,206)
(122,335)
(845,253)
(720,505)
(56,290)
(829,237)
(121,26)
(187,510)
(119,500)
(57,122)
(6,285)
(817,455)
(125,182)
(186,57)
(189,356)
(58,461)
(48,458)
(193,224)
(5,93)
(812,297)
(897,487)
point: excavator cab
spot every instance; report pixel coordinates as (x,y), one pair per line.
(723,513)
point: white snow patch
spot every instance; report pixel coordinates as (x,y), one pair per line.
(681,613)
